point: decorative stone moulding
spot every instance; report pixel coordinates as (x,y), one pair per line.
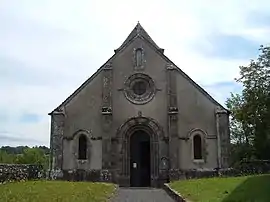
(173,110)
(164,163)
(139,88)
(170,67)
(139,58)
(106,110)
(108,66)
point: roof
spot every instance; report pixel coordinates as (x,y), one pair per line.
(139,31)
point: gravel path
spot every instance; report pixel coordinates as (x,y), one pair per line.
(141,195)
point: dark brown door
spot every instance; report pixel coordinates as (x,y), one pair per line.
(140,159)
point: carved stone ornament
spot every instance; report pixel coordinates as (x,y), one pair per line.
(173,110)
(106,110)
(170,67)
(164,163)
(139,88)
(138,58)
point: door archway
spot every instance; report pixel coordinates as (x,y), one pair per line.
(140,173)
(124,134)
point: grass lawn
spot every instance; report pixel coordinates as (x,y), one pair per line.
(51,191)
(254,188)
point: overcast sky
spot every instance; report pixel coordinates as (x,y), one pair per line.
(49,47)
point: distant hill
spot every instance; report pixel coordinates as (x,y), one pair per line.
(19,149)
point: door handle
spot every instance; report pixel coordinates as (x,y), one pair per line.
(134,165)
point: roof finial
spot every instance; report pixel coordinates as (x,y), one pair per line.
(138,27)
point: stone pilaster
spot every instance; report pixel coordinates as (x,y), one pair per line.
(223,137)
(107,116)
(172,116)
(56,142)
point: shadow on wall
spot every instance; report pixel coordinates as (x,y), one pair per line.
(253,189)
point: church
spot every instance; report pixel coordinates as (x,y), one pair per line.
(138,121)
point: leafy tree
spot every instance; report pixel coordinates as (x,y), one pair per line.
(250,123)
(6,158)
(25,155)
(32,156)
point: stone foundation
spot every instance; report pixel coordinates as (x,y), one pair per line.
(102,176)
(84,175)
(19,172)
(178,174)
(245,168)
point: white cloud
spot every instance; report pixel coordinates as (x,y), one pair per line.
(68,40)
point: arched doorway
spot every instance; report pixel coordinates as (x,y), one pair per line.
(122,148)
(140,166)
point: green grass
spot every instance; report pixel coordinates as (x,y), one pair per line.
(51,191)
(254,188)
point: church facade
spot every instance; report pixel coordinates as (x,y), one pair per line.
(138,121)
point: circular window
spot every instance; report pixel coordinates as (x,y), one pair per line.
(139,88)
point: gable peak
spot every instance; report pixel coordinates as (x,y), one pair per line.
(139,31)
(138,27)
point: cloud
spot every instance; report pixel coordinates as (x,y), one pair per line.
(3,116)
(228,47)
(17,138)
(259,19)
(30,118)
(49,47)
(222,90)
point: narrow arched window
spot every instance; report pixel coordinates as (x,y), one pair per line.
(82,147)
(197,147)
(139,57)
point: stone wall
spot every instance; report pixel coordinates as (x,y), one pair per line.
(19,172)
(101,175)
(88,175)
(243,168)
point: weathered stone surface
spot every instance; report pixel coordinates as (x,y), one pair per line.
(57,134)
(107,115)
(244,168)
(19,172)
(177,106)
(223,134)
(88,175)
(55,174)
(172,116)
(173,193)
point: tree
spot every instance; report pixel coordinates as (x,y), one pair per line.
(6,158)
(32,156)
(25,155)
(250,124)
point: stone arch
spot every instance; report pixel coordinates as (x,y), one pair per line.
(82,147)
(197,131)
(76,137)
(87,133)
(198,136)
(154,130)
(139,57)
(142,122)
(197,147)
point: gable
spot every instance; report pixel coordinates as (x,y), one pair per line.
(184,75)
(138,31)
(90,79)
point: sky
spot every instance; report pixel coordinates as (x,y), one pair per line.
(48,48)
